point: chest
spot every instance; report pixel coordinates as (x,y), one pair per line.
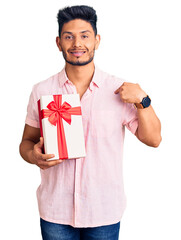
(81,91)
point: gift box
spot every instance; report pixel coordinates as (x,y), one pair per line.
(61,126)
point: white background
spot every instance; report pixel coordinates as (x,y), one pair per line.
(140,43)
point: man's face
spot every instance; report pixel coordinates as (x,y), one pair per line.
(78,42)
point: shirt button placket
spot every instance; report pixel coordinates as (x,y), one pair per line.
(77,175)
(77,191)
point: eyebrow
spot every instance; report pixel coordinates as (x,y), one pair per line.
(66,32)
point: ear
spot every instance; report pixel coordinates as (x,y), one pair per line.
(98,39)
(58,43)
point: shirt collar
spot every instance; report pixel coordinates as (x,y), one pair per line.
(96,80)
(63,78)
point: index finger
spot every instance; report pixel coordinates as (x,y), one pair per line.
(47,156)
(117,90)
(53,162)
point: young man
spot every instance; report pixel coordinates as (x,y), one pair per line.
(84,198)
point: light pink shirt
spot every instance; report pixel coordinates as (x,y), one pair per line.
(87,192)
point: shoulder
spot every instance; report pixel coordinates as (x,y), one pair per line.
(45,87)
(44,84)
(109,80)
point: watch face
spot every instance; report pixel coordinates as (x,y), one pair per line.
(146,102)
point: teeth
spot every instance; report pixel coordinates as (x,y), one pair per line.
(77,53)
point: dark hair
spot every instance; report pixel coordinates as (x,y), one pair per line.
(77,12)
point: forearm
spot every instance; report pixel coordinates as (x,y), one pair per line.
(26,148)
(149,127)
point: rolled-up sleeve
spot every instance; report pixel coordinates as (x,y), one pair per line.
(130,118)
(32,117)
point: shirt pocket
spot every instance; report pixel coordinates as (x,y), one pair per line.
(103,123)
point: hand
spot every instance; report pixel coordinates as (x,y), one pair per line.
(130,93)
(38,158)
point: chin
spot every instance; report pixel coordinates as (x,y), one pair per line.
(79,63)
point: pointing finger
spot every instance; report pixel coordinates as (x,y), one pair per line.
(117,91)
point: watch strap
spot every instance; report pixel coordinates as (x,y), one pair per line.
(143,104)
(139,105)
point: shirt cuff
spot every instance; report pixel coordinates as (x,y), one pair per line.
(32,123)
(133,126)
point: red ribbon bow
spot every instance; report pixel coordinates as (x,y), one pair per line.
(55,112)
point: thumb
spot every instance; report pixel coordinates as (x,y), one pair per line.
(40,144)
(117,91)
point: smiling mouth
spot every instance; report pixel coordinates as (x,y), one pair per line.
(77,53)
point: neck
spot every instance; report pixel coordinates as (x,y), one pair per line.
(80,75)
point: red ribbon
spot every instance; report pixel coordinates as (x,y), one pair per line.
(55,112)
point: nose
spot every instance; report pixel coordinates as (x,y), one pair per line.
(77,42)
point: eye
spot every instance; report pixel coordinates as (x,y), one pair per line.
(84,36)
(68,37)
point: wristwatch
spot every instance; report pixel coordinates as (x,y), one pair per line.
(144,103)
